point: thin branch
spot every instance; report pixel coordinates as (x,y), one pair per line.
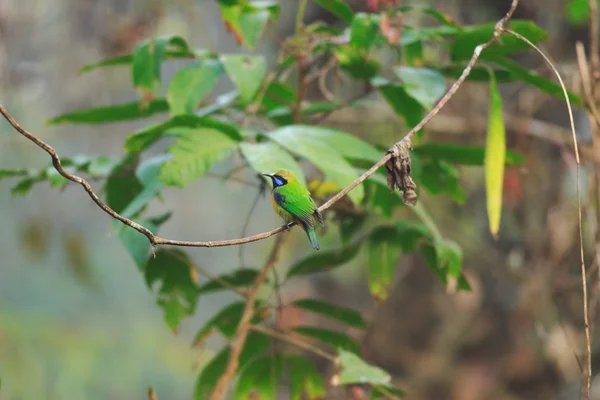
(294,341)
(594,45)
(245,324)
(157,240)
(587,375)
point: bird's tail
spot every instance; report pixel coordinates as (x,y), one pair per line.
(310,231)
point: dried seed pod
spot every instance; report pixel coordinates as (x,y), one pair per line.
(398,171)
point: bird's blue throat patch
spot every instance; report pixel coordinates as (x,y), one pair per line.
(278,181)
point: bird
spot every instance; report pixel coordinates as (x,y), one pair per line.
(293,203)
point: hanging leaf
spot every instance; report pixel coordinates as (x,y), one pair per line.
(305,379)
(356,370)
(425,85)
(259,379)
(384,248)
(342,314)
(268,157)
(329,337)
(439,177)
(177,293)
(339,8)
(120,112)
(246,72)
(241,278)
(122,186)
(324,261)
(194,153)
(444,257)
(495,154)
(191,85)
(363,30)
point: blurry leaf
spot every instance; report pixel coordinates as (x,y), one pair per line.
(439,258)
(411,235)
(321,154)
(329,337)
(363,30)
(402,103)
(376,393)
(147,60)
(136,243)
(324,261)
(278,94)
(578,12)
(243,277)
(424,85)
(177,293)
(76,254)
(220,103)
(255,344)
(226,321)
(110,62)
(23,187)
(412,53)
(478,74)
(55,179)
(194,152)
(463,155)
(463,46)
(339,8)
(343,314)
(7,173)
(356,370)
(449,257)
(247,20)
(536,80)
(350,225)
(439,177)
(268,157)
(305,379)
(352,61)
(101,166)
(384,248)
(379,197)
(259,379)
(122,186)
(441,17)
(191,85)
(148,173)
(283,115)
(145,137)
(121,112)
(246,72)
(495,153)
(411,35)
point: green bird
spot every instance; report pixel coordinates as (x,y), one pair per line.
(293,203)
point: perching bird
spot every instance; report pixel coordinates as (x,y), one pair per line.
(292,202)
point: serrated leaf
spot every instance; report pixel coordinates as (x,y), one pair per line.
(177,292)
(463,155)
(329,337)
(325,261)
(423,84)
(495,155)
(191,85)
(324,156)
(356,370)
(305,379)
(243,277)
(255,344)
(334,311)
(268,157)
(339,8)
(259,379)
(194,152)
(247,73)
(463,46)
(402,103)
(384,248)
(117,113)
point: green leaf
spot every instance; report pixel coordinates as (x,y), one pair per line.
(324,156)
(440,259)
(350,226)
(477,74)
(441,17)
(7,173)
(384,249)
(325,261)
(536,80)
(194,152)
(305,379)
(137,244)
(339,8)
(423,84)
(329,337)
(402,103)
(268,157)
(243,277)
(578,12)
(343,314)
(439,177)
(495,153)
(120,112)
(144,138)
(278,94)
(122,186)
(247,20)
(148,173)
(463,46)
(23,187)
(191,85)
(363,30)
(227,320)
(463,155)
(259,379)
(376,393)
(246,72)
(356,370)
(255,344)
(177,293)
(355,63)
(147,60)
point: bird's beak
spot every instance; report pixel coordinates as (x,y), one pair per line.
(269,175)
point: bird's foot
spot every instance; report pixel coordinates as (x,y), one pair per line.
(288,226)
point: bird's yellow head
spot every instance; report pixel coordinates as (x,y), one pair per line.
(281,177)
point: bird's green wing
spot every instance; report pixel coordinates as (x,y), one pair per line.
(296,201)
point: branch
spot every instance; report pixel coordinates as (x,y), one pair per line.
(245,325)
(157,240)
